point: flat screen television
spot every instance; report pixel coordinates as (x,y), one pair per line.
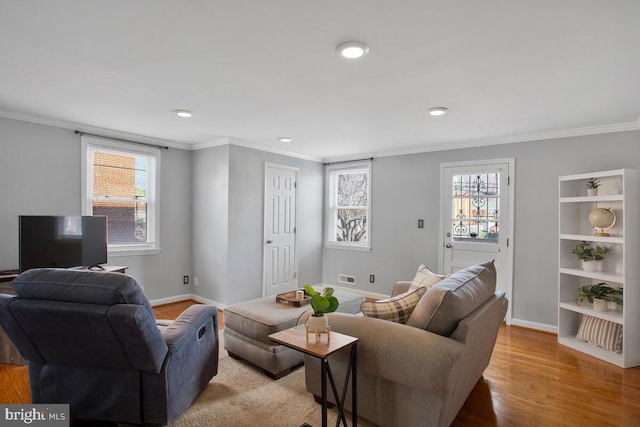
(62,241)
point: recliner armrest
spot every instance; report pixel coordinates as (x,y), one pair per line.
(190,324)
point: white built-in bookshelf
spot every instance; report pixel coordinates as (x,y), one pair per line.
(620,191)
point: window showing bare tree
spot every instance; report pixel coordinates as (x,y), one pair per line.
(348,211)
(353,198)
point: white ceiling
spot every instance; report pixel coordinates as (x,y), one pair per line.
(254,70)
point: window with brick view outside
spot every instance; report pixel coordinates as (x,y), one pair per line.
(119,190)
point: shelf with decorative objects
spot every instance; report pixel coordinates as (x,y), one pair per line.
(598,252)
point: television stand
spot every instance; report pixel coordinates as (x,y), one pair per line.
(104,268)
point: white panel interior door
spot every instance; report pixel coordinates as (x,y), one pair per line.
(280,245)
(477,218)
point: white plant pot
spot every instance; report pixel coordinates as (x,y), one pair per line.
(592,191)
(600,305)
(317,324)
(612,306)
(590,265)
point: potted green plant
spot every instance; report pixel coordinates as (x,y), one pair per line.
(588,254)
(592,186)
(322,302)
(599,294)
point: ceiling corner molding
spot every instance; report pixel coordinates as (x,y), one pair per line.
(106,133)
(215,142)
(246,144)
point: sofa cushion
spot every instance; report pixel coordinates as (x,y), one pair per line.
(601,332)
(452,299)
(425,278)
(396,309)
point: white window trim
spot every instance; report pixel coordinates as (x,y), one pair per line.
(87,144)
(329,203)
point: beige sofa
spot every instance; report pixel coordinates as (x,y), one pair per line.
(409,375)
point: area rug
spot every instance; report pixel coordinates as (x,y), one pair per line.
(241,395)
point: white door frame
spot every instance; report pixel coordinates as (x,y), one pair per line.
(506,267)
(267,166)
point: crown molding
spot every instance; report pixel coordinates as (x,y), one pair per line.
(246,144)
(425,148)
(216,142)
(107,133)
(241,143)
(528,137)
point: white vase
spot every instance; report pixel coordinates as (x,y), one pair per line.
(599,304)
(592,191)
(590,265)
(317,324)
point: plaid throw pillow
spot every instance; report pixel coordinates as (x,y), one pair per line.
(396,309)
(601,332)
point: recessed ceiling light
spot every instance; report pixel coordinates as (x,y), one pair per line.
(352,50)
(285,139)
(438,111)
(183,113)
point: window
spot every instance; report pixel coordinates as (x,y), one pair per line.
(120,182)
(349,206)
(476,206)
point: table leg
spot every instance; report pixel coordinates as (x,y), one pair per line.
(339,399)
(354,384)
(323,370)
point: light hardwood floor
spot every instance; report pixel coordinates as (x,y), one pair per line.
(531,381)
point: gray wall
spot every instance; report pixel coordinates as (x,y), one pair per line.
(211,222)
(405,188)
(234,272)
(211,217)
(40,175)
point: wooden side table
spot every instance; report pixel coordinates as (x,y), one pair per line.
(296,338)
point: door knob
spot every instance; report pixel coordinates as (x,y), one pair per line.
(269,242)
(448,246)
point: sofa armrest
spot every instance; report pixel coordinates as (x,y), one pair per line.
(400,353)
(191,325)
(400,287)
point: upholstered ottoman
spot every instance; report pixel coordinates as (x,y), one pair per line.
(247,325)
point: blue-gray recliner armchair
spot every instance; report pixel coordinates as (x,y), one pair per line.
(92,341)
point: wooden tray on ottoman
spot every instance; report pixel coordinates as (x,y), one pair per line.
(290,299)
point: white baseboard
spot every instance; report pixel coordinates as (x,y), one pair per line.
(359,291)
(207,301)
(169,300)
(534,325)
(183,297)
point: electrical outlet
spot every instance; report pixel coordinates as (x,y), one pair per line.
(372,278)
(185,280)
(196,282)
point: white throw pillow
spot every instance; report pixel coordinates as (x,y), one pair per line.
(425,278)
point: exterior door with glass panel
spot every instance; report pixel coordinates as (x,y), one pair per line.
(476,217)
(280,255)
